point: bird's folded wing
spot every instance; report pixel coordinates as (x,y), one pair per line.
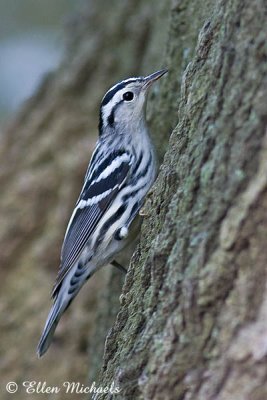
(102,183)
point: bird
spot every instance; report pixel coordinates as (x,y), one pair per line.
(106,217)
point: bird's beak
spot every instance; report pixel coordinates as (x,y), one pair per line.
(148,80)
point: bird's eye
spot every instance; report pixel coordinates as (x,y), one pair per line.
(128,96)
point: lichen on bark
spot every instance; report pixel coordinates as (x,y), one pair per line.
(44,154)
(195,293)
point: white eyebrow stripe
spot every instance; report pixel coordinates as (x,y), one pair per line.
(125,81)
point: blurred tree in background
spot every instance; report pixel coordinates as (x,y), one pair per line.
(44,152)
(191,320)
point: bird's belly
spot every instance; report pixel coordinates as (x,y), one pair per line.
(111,245)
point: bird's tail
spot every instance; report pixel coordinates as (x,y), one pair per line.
(53,318)
(63,297)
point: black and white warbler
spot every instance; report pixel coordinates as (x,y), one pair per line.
(121,171)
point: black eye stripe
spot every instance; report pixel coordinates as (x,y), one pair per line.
(111,93)
(110,118)
(121,85)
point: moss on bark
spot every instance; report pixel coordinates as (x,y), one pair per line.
(191,324)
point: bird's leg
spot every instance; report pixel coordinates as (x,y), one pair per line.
(119,266)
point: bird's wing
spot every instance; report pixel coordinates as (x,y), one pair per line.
(102,182)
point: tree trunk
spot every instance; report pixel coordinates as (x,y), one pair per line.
(189,321)
(192,320)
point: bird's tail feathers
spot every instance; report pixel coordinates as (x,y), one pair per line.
(63,298)
(51,323)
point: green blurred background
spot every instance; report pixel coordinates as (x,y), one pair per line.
(31,44)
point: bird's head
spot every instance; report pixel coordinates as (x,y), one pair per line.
(123,105)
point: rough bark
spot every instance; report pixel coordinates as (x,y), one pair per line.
(191,321)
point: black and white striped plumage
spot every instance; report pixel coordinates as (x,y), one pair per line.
(121,171)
